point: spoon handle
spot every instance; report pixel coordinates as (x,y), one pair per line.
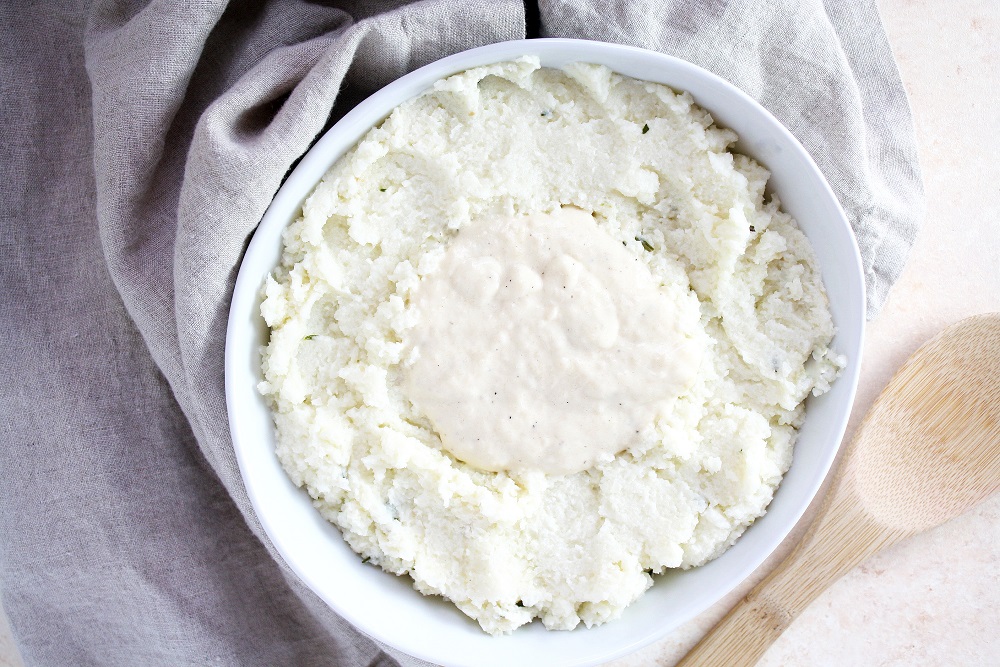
(841,537)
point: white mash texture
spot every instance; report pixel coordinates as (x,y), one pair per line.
(507,140)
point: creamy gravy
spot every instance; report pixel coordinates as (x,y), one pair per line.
(543,344)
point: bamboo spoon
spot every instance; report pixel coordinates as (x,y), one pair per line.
(927,451)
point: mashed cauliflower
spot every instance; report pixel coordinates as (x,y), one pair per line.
(510,140)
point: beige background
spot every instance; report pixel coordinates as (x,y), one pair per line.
(934,600)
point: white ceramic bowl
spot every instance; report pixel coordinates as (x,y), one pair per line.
(386,607)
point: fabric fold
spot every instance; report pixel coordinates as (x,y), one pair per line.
(146,140)
(825,70)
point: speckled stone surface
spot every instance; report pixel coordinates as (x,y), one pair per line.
(934,600)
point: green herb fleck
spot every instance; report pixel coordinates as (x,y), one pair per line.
(309,337)
(645,128)
(381,189)
(645,244)
(546,114)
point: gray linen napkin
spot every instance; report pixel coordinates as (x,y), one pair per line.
(141,142)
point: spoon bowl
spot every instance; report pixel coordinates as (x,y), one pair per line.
(927,451)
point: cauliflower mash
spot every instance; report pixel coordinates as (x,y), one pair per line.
(540,336)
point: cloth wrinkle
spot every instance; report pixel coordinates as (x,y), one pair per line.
(145,140)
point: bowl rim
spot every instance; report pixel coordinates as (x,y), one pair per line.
(300,182)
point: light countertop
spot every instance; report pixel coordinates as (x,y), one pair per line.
(935,599)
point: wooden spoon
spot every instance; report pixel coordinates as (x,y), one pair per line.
(927,451)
